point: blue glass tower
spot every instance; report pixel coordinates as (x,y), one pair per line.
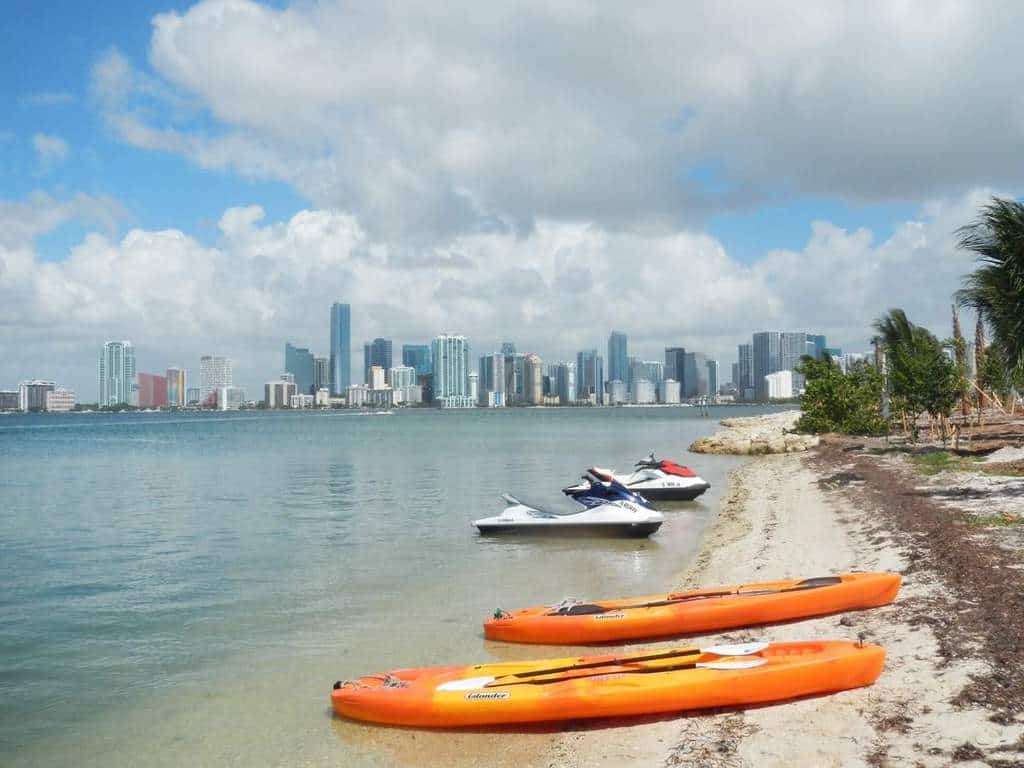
(298,361)
(618,358)
(341,348)
(417,356)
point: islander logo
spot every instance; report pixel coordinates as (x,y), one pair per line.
(488,695)
(602,616)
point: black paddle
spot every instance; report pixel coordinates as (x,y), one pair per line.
(724,665)
(586,609)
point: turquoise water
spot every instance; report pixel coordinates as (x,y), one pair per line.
(185,589)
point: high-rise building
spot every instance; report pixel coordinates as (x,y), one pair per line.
(229,398)
(192,396)
(508,348)
(176,389)
(766,354)
(321,373)
(590,376)
(779,385)
(9,400)
(675,363)
(341,348)
(745,371)
(376,377)
(533,374)
(818,343)
(32,394)
(450,355)
(670,391)
(565,383)
(734,380)
(643,392)
(298,361)
(792,348)
(491,381)
(152,390)
(215,372)
(515,372)
(713,382)
(418,356)
(116,369)
(617,393)
(653,370)
(618,357)
(474,390)
(377,352)
(695,375)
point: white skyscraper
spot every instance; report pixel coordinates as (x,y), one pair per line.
(451,371)
(116,373)
(214,374)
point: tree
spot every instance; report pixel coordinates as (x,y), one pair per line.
(923,378)
(960,350)
(995,289)
(834,401)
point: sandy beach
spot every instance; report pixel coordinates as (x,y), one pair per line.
(838,508)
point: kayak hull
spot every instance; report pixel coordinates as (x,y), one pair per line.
(696,612)
(456,697)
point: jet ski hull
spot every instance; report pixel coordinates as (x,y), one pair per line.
(688,493)
(626,530)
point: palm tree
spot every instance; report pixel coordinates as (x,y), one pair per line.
(995,290)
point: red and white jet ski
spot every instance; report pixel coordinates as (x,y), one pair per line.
(654,479)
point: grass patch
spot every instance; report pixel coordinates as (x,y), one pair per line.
(998,520)
(933,462)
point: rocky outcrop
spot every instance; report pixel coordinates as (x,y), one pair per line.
(756,435)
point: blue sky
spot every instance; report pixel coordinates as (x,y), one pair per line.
(485,168)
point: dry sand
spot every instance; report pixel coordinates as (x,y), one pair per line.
(779,521)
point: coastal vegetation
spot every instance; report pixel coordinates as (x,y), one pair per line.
(923,375)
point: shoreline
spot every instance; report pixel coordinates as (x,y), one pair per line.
(804,515)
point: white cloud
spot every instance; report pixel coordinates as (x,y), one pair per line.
(558,289)
(429,121)
(50,150)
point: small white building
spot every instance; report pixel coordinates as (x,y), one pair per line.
(377,379)
(323,398)
(616,392)
(779,385)
(409,395)
(60,400)
(301,401)
(358,395)
(402,376)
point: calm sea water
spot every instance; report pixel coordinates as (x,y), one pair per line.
(184,589)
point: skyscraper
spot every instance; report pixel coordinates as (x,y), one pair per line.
(341,348)
(618,357)
(418,356)
(176,387)
(695,375)
(377,352)
(766,354)
(675,358)
(514,374)
(491,380)
(116,368)
(533,387)
(214,373)
(818,343)
(745,371)
(565,383)
(298,361)
(792,347)
(712,377)
(508,348)
(32,394)
(590,376)
(321,373)
(451,371)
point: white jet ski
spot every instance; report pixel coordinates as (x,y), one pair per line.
(656,479)
(607,508)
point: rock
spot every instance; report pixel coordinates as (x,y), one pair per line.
(754,435)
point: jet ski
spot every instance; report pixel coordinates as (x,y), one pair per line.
(609,509)
(657,479)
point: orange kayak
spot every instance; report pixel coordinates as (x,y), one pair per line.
(615,685)
(681,613)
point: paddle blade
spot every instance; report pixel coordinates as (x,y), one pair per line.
(465,684)
(738,649)
(731,664)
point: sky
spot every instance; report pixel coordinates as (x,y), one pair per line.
(207,178)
